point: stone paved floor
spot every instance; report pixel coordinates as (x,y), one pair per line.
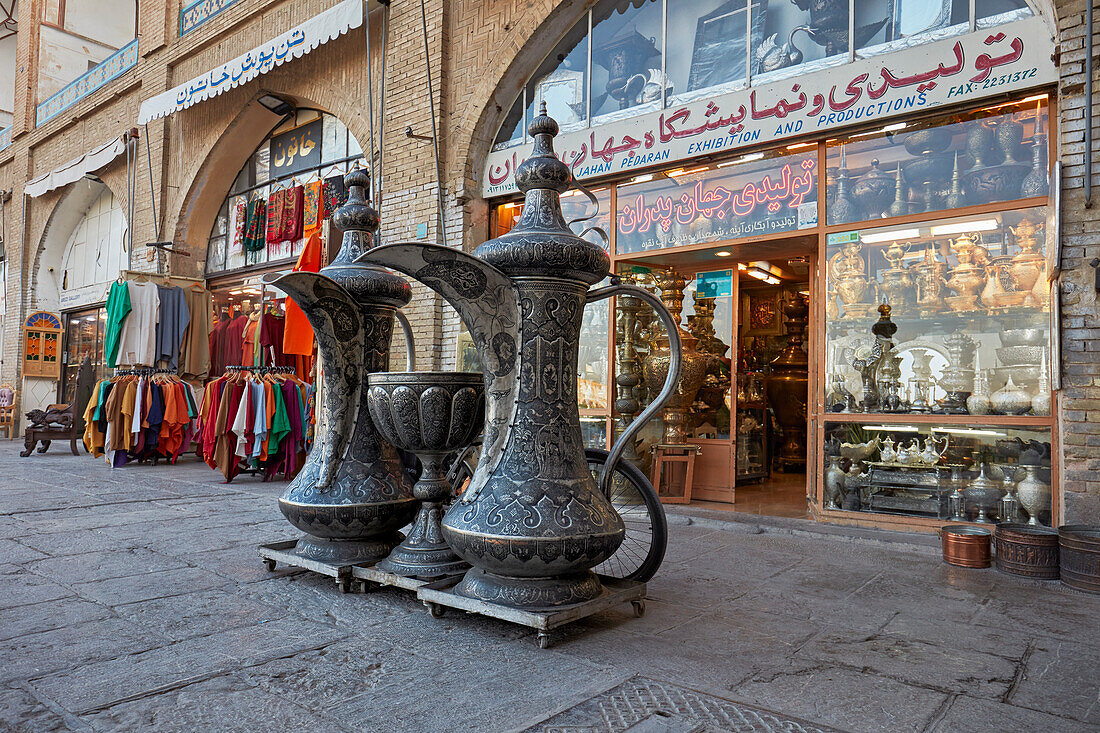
(134,600)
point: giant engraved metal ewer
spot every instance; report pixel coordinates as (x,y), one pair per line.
(352,494)
(532,522)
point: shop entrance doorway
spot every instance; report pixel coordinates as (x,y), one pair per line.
(747,308)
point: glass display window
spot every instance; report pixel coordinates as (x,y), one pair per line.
(561,81)
(802,35)
(583,215)
(714,57)
(309,147)
(755,194)
(966,325)
(627,69)
(984,156)
(961,473)
(84,331)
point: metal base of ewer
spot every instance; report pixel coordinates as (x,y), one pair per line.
(431,414)
(346,552)
(530,593)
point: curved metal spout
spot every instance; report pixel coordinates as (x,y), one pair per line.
(486,302)
(336,324)
(671,379)
(410,344)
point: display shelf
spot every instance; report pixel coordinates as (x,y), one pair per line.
(893,418)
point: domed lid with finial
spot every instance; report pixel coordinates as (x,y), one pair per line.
(541,243)
(359,221)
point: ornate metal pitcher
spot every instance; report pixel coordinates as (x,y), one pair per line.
(532,523)
(352,495)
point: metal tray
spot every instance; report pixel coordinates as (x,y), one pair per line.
(440,595)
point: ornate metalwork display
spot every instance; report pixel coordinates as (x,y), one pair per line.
(352,495)
(431,414)
(532,522)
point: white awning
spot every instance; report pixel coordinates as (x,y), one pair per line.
(76,169)
(295,43)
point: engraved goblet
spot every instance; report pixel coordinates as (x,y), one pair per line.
(431,414)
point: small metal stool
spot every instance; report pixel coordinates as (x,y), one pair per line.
(669,456)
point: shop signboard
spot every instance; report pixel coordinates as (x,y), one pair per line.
(296,150)
(764,196)
(956,70)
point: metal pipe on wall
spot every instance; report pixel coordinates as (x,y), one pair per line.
(1088,103)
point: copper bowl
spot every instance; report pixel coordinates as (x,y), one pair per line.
(965,546)
(1027,550)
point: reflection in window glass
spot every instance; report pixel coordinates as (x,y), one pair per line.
(804,31)
(992,9)
(981,157)
(753,195)
(592,363)
(626,56)
(906,18)
(560,80)
(511,130)
(707,44)
(574,205)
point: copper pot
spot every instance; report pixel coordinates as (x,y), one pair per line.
(966,547)
(1027,550)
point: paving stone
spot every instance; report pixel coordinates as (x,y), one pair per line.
(971,715)
(18,553)
(199,614)
(1041,609)
(916,662)
(910,625)
(842,698)
(22,620)
(1063,678)
(22,587)
(99,685)
(116,591)
(103,565)
(20,711)
(57,544)
(224,704)
(34,655)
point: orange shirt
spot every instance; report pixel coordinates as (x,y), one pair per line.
(297,333)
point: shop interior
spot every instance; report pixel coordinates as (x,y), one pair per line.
(743,316)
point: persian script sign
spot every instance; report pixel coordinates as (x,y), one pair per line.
(1008,58)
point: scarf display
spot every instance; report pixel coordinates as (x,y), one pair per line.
(254,230)
(311,208)
(291,225)
(275,203)
(335,194)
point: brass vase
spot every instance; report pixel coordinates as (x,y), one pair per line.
(693,364)
(787,384)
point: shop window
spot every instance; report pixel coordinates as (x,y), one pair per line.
(53,13)
(986,156)
(636,55)
(561,81)
(587,219)
(752,195)
(970,301)
(83,339)
(308,148)
(627,69)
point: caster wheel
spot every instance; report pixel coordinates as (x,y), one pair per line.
(639,608)
(270,564)
(435,610)
(543,640)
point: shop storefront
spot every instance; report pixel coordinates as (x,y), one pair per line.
(777,186)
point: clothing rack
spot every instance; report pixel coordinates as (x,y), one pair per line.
(142,371)
(260,369)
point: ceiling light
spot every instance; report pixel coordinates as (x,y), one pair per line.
(895,126)
(963,227)
(683,172)
(642,178)
(804,292)
(743,159)
(722,253)
(275,104)
(894,428)
(798,146)
(893,236)
(969,431)
(742,266)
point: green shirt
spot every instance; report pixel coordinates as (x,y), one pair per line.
(280,423)
(118,307)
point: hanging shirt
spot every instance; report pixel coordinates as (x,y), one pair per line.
(195,346)
(174,317)
(259,427)
(297,333)
(138,341)
(232,342)
(248,353)
(270,340)
(118,307)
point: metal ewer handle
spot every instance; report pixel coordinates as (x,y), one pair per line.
(410,345)
(671,379)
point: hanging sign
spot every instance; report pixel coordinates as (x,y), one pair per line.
(717,284)
(958,70)
(296,42)
(296,150)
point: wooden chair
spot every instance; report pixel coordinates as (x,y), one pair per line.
(9,403)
